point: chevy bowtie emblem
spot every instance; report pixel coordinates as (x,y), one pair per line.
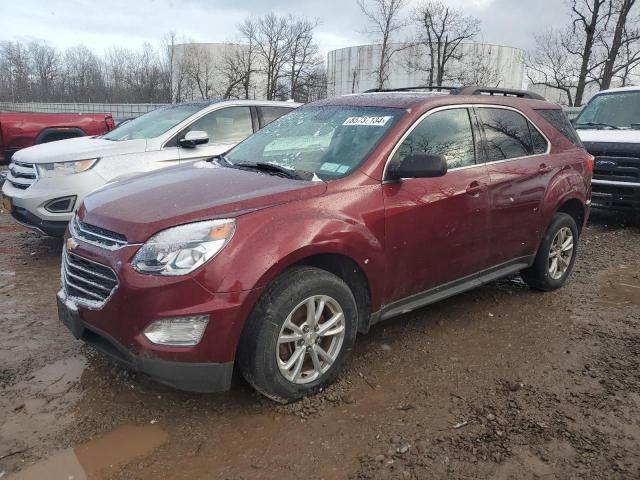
(71,244)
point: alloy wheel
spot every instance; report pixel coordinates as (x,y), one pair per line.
(560,253)
(310,339)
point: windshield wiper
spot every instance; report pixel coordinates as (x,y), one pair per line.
(635,126)
(597,124)
(272,167)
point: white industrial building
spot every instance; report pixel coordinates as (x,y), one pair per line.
(353,69)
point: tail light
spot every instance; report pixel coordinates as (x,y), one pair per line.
(590,161)
(110,123)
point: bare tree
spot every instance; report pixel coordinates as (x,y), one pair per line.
(384,17)
(236,72)
(272,40)
(45,61)
(169,48)
(629,61)
(552,66)
(200,69)
(443,29)
(588,18)
(624,32)
(83,74)
(15,62)
(477,69)
(304,57)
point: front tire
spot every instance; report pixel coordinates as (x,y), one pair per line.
(300,335)
(556,255)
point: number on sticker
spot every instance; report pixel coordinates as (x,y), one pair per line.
(366,121)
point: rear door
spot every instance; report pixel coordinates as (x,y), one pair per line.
(520,168)
(436,227)
(225,127)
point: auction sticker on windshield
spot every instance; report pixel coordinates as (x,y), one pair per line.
(366,121)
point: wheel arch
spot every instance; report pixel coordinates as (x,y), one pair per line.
(350,272)
(575,208)
(71,132)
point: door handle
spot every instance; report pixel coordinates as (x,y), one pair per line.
(475,188)
(543,168)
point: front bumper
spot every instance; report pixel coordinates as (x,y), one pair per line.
(116,327)
(29,204)
(192,377)
(615,195)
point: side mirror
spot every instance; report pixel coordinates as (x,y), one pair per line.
(193,139)
(419,165)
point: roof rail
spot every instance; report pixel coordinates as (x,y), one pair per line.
(507,92)
(410,89)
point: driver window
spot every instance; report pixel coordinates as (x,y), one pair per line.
(227,125)
(447,133)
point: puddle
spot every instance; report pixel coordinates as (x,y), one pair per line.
(621,286)
(95,459)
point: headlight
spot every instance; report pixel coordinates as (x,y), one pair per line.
(180,250)
(58,169)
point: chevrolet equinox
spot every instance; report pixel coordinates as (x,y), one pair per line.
(341,214)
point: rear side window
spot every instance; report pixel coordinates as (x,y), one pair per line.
(537,140)
(447,133)
(269,114)
(508,134)
(558,120)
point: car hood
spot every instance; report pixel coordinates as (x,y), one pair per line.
(81,148)
(145,204)
(609,136)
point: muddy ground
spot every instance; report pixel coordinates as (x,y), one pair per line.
(500,382)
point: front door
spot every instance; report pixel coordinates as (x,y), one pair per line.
(436,227)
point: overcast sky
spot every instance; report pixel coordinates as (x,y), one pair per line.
(64,23)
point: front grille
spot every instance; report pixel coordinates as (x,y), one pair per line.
(619,169)
(616,162)
(87,282)
(98,236)
(22,175)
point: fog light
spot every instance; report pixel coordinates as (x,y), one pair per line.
(178,332)
(61,205)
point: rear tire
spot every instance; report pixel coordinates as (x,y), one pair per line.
(300,335)
(556,255)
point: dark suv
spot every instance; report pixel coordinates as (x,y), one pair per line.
(339,215)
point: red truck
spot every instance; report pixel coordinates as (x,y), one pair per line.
(20,129)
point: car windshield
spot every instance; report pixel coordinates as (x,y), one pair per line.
(326,141)
(611,110)
(154,123)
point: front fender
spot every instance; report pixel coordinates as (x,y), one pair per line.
(268,242)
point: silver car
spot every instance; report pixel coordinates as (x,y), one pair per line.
(46,183)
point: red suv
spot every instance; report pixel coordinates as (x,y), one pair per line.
(339,215)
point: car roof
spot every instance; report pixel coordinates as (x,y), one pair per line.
(619,89)
(221,103)
(410,100)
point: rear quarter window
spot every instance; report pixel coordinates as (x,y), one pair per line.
(558,120)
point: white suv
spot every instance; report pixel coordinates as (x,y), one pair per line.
(46,183)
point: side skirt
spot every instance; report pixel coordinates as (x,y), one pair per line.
(450,289)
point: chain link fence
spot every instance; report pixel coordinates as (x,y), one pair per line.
(119,111)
